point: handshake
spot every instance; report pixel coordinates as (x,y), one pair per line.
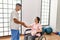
(22,23)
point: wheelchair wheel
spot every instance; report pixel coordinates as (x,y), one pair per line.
(42,38)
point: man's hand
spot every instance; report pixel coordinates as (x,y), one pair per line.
(24,24)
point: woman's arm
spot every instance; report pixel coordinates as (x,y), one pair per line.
(25,25)
(40,29)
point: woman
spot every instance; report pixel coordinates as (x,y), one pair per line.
(35,28)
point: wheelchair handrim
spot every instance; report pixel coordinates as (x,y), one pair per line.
(42,38)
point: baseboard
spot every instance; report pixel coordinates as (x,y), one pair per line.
(22,34)
(9,36)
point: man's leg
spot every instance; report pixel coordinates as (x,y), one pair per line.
(18,34)
(14,34)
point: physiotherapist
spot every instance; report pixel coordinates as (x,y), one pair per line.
(15,23)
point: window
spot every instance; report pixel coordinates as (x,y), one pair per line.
(45,16)
(6,6)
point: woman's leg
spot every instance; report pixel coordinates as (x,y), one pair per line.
(29,37)
(26,37)
(33,37)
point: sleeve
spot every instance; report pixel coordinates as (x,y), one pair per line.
(13,15)
(40,26)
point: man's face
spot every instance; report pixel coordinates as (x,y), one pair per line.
(18,7)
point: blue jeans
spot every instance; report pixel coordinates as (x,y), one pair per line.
(15,34)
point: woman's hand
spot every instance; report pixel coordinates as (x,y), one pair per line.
(39,30)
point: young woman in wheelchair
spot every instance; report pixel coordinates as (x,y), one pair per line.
(36,28)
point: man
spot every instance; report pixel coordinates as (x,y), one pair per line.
(14,22)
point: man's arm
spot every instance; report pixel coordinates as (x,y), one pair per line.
(27,26)
(19,22)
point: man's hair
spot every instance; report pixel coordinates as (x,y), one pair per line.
(38,19)
(18,4)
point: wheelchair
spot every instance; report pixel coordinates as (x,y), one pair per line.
(42,37)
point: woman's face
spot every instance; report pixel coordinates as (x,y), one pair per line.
(36,20)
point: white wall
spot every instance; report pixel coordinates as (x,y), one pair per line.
(53,14)
(58,17)
(31,9)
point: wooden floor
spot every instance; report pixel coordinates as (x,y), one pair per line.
(48,37)
(9,38)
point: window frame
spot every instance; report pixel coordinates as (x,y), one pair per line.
(5,17)
(49,13)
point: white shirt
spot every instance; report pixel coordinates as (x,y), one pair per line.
(13,25)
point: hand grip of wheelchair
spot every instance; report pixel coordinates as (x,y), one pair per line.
(26,31)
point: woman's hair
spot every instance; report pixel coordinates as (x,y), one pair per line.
(38,19)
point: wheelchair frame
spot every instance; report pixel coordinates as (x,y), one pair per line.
(39,38)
